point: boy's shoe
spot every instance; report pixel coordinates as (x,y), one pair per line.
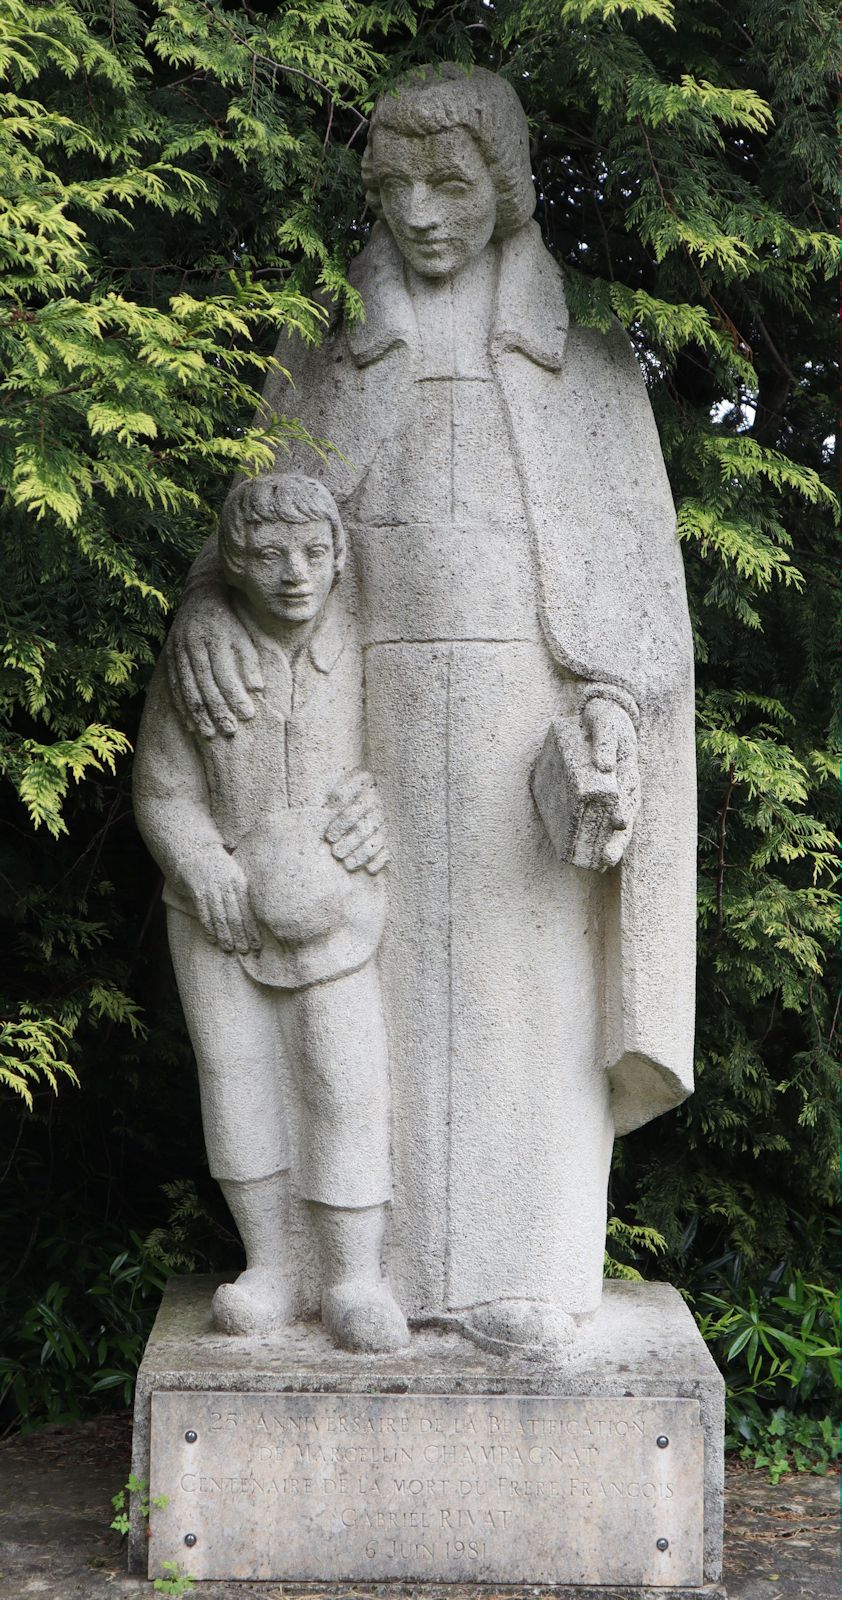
(257,1302)
(365,1316)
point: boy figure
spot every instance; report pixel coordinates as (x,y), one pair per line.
(270,838)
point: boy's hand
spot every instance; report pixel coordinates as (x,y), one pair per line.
(356,831)
(220,894)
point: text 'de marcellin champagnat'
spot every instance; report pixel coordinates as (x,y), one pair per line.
(437,1486)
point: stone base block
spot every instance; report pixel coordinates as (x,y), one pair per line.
(284,1459)
(477,1591)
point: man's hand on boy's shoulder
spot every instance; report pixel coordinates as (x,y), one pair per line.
(356,831)
(212,664)
(219,891)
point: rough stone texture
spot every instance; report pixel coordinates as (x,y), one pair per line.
(270,839)
(781,1541)
(520,685)
(503,1489)
(589,814)
(512,562)
(642,1343)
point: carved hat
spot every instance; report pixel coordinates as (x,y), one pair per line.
(429,99)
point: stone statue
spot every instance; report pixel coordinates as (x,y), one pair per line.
(275,911)
(519,592)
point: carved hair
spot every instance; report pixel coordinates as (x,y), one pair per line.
(281,497)
(486,106)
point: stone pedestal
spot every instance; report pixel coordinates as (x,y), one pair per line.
(284,1458)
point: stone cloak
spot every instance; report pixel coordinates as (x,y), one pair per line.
(610,584)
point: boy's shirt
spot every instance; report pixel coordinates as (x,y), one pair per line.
(266,789)
(307,730)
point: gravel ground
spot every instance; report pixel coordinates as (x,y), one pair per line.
(782,1543)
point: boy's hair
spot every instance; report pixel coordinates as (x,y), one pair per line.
(428,99)
(281,497)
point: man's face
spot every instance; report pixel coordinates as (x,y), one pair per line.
(437,197)
(288,569)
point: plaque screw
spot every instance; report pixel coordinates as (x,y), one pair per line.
(663,1544)
(191,1435)
(662,1441)
(190,1539)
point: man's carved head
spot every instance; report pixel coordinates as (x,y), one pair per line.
(447,165)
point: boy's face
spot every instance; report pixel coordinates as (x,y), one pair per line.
(288,570)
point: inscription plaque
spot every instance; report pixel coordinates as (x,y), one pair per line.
(460,1488)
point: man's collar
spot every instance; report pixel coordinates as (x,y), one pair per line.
(377,275)
(530,313)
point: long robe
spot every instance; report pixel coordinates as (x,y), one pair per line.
(512,537)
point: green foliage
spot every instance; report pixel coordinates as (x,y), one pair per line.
(786,1442)
(176,1583)
(81,1338)
(180,182)
(30,1054)
(779,1351)
(627,1242)
(780,1341)
(189,1240)
(114,401)
(120,1501)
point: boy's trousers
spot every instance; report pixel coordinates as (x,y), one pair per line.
(251,1041)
